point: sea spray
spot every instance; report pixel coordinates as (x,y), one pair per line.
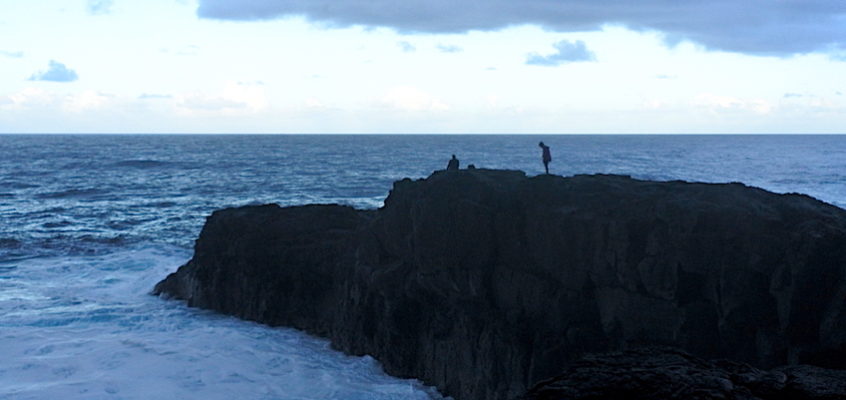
(86,327)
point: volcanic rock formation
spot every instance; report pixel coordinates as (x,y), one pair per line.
(485,282)
(669,374)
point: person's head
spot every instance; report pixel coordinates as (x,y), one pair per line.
(453,156)
(541,144)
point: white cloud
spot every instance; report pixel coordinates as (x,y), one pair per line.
(154,96)
(493,100)
(655,104)
(86,101)
(191,103)
(313,102)
(31,97)
(235,99)
(43,100)
(720,103)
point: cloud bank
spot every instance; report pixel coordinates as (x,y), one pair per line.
(56,72)
(763,27)
(567,52)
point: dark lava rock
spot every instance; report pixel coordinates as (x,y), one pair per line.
(668,374)
(485,282)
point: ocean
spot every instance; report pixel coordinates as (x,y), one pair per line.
(89,224)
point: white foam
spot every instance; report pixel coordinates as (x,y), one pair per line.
(86,328)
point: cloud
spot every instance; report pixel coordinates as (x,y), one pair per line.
(406,47)
(721,104)
(567,52)
(87,100)
(39,99)
(154,96)
(791,95)
(409,98)
(665,76)
(56,72)
(233,99)
(449,48)
(205,103)
(31,96)
(100,7)
(314,103)
(11,54)
(763,27)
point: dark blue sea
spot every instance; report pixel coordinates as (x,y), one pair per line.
(89,223)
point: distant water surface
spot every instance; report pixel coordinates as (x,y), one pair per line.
(89,223)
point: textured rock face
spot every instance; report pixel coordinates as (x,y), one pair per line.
(485,282)
(669,374)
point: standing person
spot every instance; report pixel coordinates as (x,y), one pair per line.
(453,163)
(547,156)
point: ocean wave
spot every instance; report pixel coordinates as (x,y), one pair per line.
(53,210)
(161,204)
(72,193)
(57,224)
(141,163)
(17,185)
(791,181)
(10,243)
(85,327)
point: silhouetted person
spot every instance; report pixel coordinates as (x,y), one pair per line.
(547,156)
(453,163)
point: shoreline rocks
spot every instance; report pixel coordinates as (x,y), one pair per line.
(670,374)
(485,282)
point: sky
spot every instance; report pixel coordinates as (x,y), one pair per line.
(422,66)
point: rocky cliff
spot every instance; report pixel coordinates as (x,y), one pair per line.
(670,374)
(484,282)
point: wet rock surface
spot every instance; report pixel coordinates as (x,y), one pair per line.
(485,282)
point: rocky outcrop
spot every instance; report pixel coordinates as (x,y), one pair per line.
(485,282)
(668,374)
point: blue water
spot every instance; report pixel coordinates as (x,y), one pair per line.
(89,223)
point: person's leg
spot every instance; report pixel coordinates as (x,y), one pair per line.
(546,166)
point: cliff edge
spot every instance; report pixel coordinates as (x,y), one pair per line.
(485,282)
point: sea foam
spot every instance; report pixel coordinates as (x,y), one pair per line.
(86,328)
